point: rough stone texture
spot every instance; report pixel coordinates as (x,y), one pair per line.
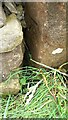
(46,32)
(10,87)
(11,34)
(11,60)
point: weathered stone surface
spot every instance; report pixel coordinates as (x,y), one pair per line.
(11,34)
(10,87)
(11,60)
(46,32)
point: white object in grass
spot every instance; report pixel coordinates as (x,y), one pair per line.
(31,92)
(58,50)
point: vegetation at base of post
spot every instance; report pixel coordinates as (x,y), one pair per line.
(49,100)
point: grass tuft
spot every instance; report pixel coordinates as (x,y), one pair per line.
(49,100)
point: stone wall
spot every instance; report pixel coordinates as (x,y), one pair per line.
(11,46)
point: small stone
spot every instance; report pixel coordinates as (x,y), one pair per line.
(10,87)
(10,60)
(11,34)
(10,6)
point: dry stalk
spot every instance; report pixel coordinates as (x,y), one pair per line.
(43,65)
(45,81)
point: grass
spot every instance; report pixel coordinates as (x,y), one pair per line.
(49,100)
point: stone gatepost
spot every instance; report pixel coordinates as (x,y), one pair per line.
(46,32)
